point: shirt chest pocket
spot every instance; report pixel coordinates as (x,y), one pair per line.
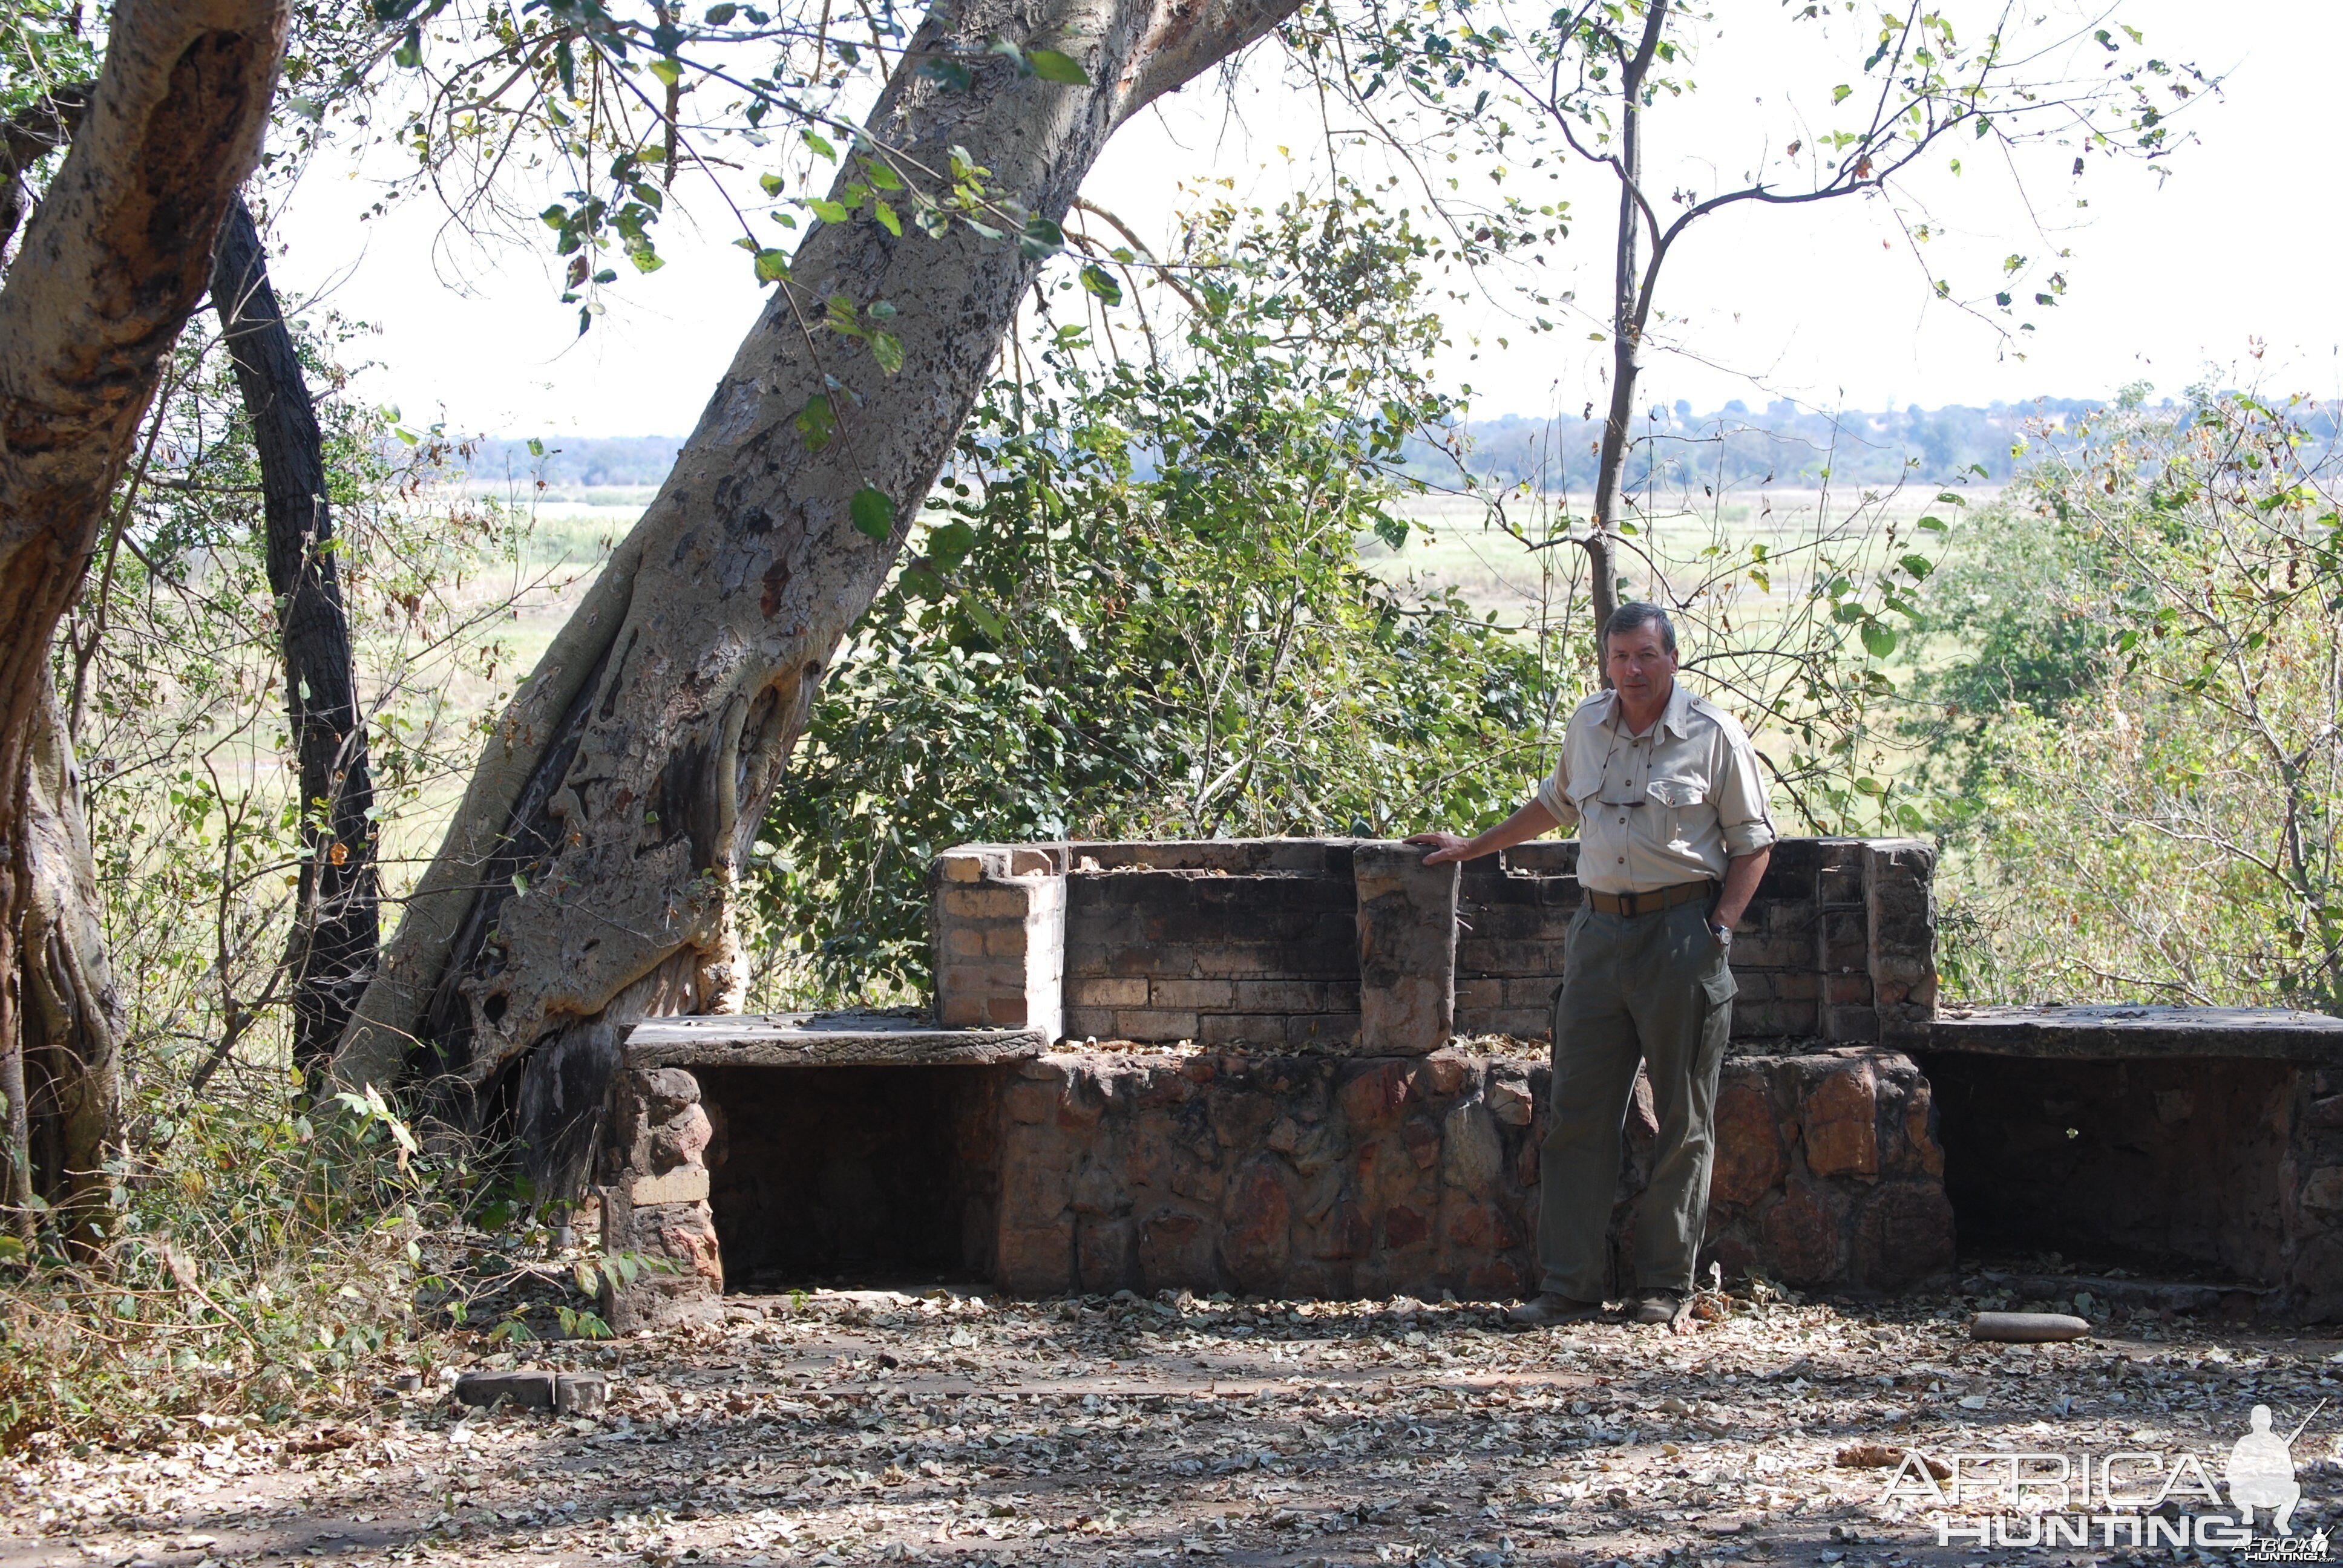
(1684,804)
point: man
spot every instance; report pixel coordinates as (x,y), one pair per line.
(1673,835)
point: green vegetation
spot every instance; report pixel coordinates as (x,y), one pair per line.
(2137,755)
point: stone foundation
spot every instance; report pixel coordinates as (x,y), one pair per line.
(1369,1178)
(1288,1175)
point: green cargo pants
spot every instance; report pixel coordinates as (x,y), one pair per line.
(1654,988)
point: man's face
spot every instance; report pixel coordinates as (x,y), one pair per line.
(1639,665)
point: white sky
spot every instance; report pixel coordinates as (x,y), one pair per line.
(2170,284)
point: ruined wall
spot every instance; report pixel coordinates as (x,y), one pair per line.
(1324,1177)
(1261,943)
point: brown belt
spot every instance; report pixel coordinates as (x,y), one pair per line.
(1645,903)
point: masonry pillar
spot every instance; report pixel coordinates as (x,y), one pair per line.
(1407,951)
(1898,887)
(999,919)
(655,1201)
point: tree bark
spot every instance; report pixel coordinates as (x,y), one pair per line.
(589,876)
(336,923)
(74,1022)
(1630,308)
(111,263)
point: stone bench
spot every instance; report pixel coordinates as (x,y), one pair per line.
(2210,1138)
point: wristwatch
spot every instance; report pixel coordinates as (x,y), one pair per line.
(1722,933)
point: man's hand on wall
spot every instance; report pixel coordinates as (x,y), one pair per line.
(1447,846)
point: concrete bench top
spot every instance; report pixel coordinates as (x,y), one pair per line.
(2139,1032)
(822,1040)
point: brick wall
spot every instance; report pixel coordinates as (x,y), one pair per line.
(1259,942)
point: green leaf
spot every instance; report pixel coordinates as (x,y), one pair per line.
(1098,280)
(817,422)
(668,70)
(1878,639)
(827,211)
(818,143)
(719,15)
(773,266)
(307,108)
(1919,566)
(887,349)
(949,74)
(1053,67)
(887,218)
(646,260)
(873,513)
(1041,237)
(1840,94)
(1933,525)
(950,545)
(771,184)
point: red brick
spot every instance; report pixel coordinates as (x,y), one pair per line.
(1174,1251)
(1038,1259)
(1750,1159)
(1801,1235)
(1256,1237)
(1841,1122)
(1904,1235)
(1376,1097)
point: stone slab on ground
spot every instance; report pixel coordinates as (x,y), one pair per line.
(2142,1032)
(563,1393)
(821,1040)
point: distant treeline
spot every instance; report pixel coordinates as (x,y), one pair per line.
(577,462)
(1785,442)
(1735,444)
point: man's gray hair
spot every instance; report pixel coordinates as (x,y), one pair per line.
(1636,614)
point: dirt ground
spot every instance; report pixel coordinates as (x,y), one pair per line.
(877,1427)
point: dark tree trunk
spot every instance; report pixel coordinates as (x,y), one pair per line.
(1631,302)
(113,261)
(336,923)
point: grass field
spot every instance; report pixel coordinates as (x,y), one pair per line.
(1495,564)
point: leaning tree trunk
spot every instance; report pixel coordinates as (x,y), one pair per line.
(337,920)
(111,263)
(589,876)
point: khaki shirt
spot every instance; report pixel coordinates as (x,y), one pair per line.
(1671,805)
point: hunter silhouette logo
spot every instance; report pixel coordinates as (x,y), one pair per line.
(2133,1498)
(2261,1472)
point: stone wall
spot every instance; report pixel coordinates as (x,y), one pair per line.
(1324,1176)
(1265,943)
